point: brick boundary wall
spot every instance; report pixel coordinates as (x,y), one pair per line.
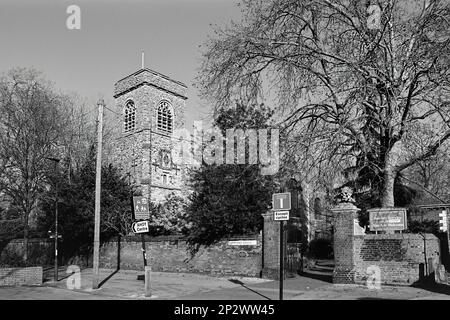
(166,253)
(171,254)
(40,252)
(29,276)
(400,257)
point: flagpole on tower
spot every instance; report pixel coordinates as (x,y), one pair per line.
(142,59)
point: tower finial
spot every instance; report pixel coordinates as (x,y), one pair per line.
(143,60)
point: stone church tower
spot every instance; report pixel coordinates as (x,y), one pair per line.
(152,107)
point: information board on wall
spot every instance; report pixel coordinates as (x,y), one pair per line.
(387,219)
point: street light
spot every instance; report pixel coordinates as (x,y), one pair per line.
(56,161)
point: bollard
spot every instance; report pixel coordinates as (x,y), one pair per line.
(148,269)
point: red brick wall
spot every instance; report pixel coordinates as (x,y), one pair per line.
(271,259)
(174,256)
(397,255)
(30,276)
(344,243)
(40,252)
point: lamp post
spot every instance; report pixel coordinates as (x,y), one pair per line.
(56,161)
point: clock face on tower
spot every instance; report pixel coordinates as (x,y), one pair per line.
(166,159)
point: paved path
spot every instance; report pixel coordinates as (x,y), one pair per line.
(358,292)
(124,285)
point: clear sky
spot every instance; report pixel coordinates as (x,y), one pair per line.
(108,46)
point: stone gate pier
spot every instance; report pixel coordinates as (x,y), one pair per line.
(398,258)
(344,242)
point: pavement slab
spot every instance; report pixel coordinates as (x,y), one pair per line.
(124,285)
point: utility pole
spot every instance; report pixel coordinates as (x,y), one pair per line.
(98,180)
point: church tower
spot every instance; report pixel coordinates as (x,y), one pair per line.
(152,107)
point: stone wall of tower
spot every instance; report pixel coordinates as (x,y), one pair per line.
(139,152)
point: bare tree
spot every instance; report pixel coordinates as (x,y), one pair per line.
(354,77)
(429,175)
(31,124)
(79,132)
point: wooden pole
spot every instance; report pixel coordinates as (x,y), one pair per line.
(98,176)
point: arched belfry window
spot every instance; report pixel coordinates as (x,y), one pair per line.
(130,116)
(165,117)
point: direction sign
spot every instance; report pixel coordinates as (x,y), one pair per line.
(281,204)
(281,215)
(281,201)
(140,227)
(140,208)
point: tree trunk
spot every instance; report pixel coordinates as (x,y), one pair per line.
(25,241)
(387,199)
(306,194)
(390,172)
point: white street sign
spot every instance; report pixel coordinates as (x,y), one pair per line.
(140,227)
(281,215)
(242,243)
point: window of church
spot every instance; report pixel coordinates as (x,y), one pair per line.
(165,119)
(130,116)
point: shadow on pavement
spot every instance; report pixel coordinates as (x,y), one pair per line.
(373,298)
(433,287)
(243,285)
(322,277)
(107,278)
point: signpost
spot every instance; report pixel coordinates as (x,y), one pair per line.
(141,212)
(281,204)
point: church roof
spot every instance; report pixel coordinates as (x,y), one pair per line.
(152,78)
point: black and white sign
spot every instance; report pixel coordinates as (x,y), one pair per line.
(242,243)
(140,227)
(140,208)
(281,215)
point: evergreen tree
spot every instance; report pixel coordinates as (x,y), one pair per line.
(77,204)
(228,199)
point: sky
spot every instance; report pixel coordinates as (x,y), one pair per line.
(108,46)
